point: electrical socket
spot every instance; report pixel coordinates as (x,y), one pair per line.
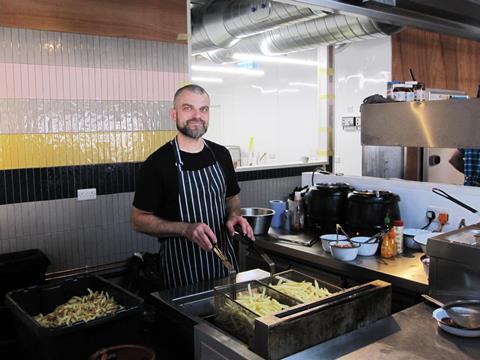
(439,210)
(87,194)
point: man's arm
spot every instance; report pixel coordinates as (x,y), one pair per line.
(234,217)
(147,223)
(457,161)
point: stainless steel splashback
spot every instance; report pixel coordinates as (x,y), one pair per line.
(441,124)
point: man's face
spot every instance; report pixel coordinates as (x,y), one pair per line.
(191,114)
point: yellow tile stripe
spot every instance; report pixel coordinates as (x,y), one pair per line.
(19,151)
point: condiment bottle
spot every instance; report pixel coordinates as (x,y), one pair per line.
(287,220)
(298,216)
(389,247)
(398,227)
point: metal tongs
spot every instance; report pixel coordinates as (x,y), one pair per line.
(224,260)
(373,239)
(232,273)
(241,237)
(339,227)
(455,200)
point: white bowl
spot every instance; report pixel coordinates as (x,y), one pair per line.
(344,254)
(422,239)
(328,238)
(365,249)
(409,234)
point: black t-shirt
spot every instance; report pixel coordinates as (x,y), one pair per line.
(157,183)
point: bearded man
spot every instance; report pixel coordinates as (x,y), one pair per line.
(187,196)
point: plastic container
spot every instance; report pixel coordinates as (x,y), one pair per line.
(237,319)
(279,207)
(21,269)
(78,340)
(398,228)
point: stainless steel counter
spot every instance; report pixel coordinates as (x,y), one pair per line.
(404,271)
(409,334)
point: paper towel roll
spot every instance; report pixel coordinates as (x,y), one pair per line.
(279,206)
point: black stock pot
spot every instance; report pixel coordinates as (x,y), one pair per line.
(366,211)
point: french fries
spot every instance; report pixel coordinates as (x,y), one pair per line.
(260,303)
(86,308)
(238,320)
(304,291)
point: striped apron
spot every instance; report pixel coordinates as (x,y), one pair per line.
(201,198)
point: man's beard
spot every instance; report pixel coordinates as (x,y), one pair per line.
(196,133)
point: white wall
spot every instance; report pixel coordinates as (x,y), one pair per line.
(415,197)
(282,110)
(361,69)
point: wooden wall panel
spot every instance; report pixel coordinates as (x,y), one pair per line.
(161,20)
(439,61)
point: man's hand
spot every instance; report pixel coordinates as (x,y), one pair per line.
(242,222)
(201,234)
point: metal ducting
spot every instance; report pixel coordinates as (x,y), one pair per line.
(457,18)
(328,30)
(222,23)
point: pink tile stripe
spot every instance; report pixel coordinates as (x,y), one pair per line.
(24,81)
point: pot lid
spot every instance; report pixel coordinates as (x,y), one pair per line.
(331,187)
(374,196)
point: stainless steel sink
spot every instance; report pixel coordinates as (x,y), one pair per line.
(200,305)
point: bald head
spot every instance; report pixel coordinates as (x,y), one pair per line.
(192,88)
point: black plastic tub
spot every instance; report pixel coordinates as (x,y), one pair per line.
(21,269)
(78,340)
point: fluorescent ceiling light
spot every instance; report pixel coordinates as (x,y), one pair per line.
(207,79)
(287,90)
(228,70)
(272,91)
(273,59)
(362,79)
(303,84)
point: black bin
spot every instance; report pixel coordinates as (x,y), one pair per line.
(21,269)
(79,340)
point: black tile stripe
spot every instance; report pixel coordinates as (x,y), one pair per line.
(273,173)
(53,183)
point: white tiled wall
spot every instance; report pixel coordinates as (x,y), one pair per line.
(361,69)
